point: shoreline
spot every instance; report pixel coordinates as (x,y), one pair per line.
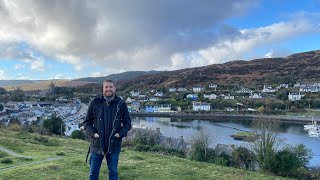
(215,116)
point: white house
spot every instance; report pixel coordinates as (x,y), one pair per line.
(159,94)
(210,96)
(304,89)
(283,86)
(129,100)
(134,93)
(228,97)
(255,96)
(295,96)
(182,89)
(244,90)
(164,108)
(201,106)
(142,96)
(213,86)
(172,89)
(197,89)
(154,98)
(268,89)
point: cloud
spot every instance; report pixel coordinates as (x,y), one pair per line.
(133,35)
(19,66)
(227,49)
(61,76)
(3,75)
(38,65)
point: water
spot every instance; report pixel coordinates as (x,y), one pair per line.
(220,131)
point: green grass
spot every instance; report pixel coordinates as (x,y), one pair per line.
(132,166)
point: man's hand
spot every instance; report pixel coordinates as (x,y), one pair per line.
(96,135)
(117,135)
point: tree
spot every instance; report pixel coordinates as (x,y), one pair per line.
(261,109)
(77,134)
(268,141)
(200,150)
(243,157)
(2,91)
(54,125)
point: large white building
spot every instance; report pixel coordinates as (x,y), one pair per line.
(295,96)
(201,106)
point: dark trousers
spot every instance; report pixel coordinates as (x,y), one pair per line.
(95,164)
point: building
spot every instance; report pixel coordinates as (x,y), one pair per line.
(245,90)
(182,89)
(154,98)
(197,89)
(135,106)
(164,108)
(255,96)
(135,93)
(201,106)
(151,109)
(295,96)
(210,96)
(268,89)
(172,89)
(213,86)
(228,97)
(159,94)
(192,97)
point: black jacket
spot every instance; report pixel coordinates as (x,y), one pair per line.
(107,119)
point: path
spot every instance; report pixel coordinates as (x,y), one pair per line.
(19,155)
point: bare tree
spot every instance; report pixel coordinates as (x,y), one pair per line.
(268,141)
(200,147)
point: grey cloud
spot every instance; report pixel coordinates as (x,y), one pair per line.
(137,34)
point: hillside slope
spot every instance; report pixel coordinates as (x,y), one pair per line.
(297,67)
(68,162)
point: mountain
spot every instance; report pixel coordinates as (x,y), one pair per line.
(118,77)
(15,82)
(297,67)
(44,84)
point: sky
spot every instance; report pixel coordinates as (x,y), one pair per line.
(70,39)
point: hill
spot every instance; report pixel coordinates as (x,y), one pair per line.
(297,67)
(120,76)
(41,84)
(60,158)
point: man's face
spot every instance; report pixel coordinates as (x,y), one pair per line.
(109,89)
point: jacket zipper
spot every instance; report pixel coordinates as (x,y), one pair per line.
(113,126)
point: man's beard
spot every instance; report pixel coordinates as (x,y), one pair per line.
(109,94)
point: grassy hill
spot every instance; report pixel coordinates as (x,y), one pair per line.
(61,158)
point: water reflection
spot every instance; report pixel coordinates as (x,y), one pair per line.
(221,129)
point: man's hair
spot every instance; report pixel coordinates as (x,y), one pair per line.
(110,81)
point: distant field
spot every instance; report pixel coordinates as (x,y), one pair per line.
(42,85)
(68,162)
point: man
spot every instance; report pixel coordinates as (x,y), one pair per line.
(107,122)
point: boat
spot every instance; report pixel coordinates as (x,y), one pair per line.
(312,126)
(314,134)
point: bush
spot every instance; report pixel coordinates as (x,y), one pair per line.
(144,139)
(168,151)
(60,154)
(243,158)
(77,134)
(6,161)
(3,154)
(223,159)
(142,148)
(14,127)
